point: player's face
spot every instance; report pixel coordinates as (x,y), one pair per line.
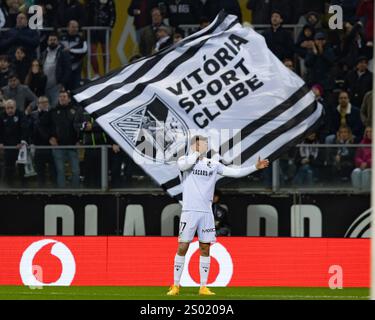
(202,146)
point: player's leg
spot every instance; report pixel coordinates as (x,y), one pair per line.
(179,262)
(188,225)
(206,234)
(204,263)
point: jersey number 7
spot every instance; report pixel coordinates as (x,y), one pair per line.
(182,226)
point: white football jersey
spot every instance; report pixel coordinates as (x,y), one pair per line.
(198,185)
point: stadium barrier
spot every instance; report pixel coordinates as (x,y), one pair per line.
(156,214)
(281,177)
(133,261)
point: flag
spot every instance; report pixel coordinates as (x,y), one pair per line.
(222,79)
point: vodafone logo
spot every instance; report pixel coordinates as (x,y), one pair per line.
(221,254)
(59,250)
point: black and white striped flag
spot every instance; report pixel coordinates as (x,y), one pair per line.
(222,79)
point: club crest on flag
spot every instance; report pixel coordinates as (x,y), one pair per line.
(154,130)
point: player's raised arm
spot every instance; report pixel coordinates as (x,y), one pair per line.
(243,172)
(198,148)
(186,162)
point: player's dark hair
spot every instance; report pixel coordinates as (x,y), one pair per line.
(197,138)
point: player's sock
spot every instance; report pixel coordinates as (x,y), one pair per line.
(204,269)
(178,267)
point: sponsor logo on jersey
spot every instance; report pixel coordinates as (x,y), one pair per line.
(208,230)
(200,172)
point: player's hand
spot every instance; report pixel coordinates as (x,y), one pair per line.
(262,164)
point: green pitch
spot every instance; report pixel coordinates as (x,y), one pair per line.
(159,293)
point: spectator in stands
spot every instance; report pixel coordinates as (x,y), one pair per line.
(302,7)
(220,215)
(69,10)
(213,7)
(122,167)
(57,67)
(11,11)
(163,38)
(361,175)
(76,46)
(305,41)
(262,9)
(184,12)
(279,40)
(140,10)
(2,15)
(12,132)
(50,10)
(178,35)
(354,44)
(349,8)
(4,70)
(359,81)
(203,22)
(21,35)
(36,80)
(39,136)
(341,159)
(148,34)
(21,64)
(311,19)
(116,157)
(325,128)
(91,134)
(319,60)
(308,160)
(366,110)
(289,64)
(2,102)
(102,14)
(19,92)
(63,129)
(365,12)
(346,114)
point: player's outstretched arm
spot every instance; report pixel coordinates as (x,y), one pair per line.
(243,172)
(186,162)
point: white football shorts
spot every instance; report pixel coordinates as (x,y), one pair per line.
(196,221)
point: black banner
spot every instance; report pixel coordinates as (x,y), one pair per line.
(313,215)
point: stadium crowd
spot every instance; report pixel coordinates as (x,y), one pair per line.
(39,70)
